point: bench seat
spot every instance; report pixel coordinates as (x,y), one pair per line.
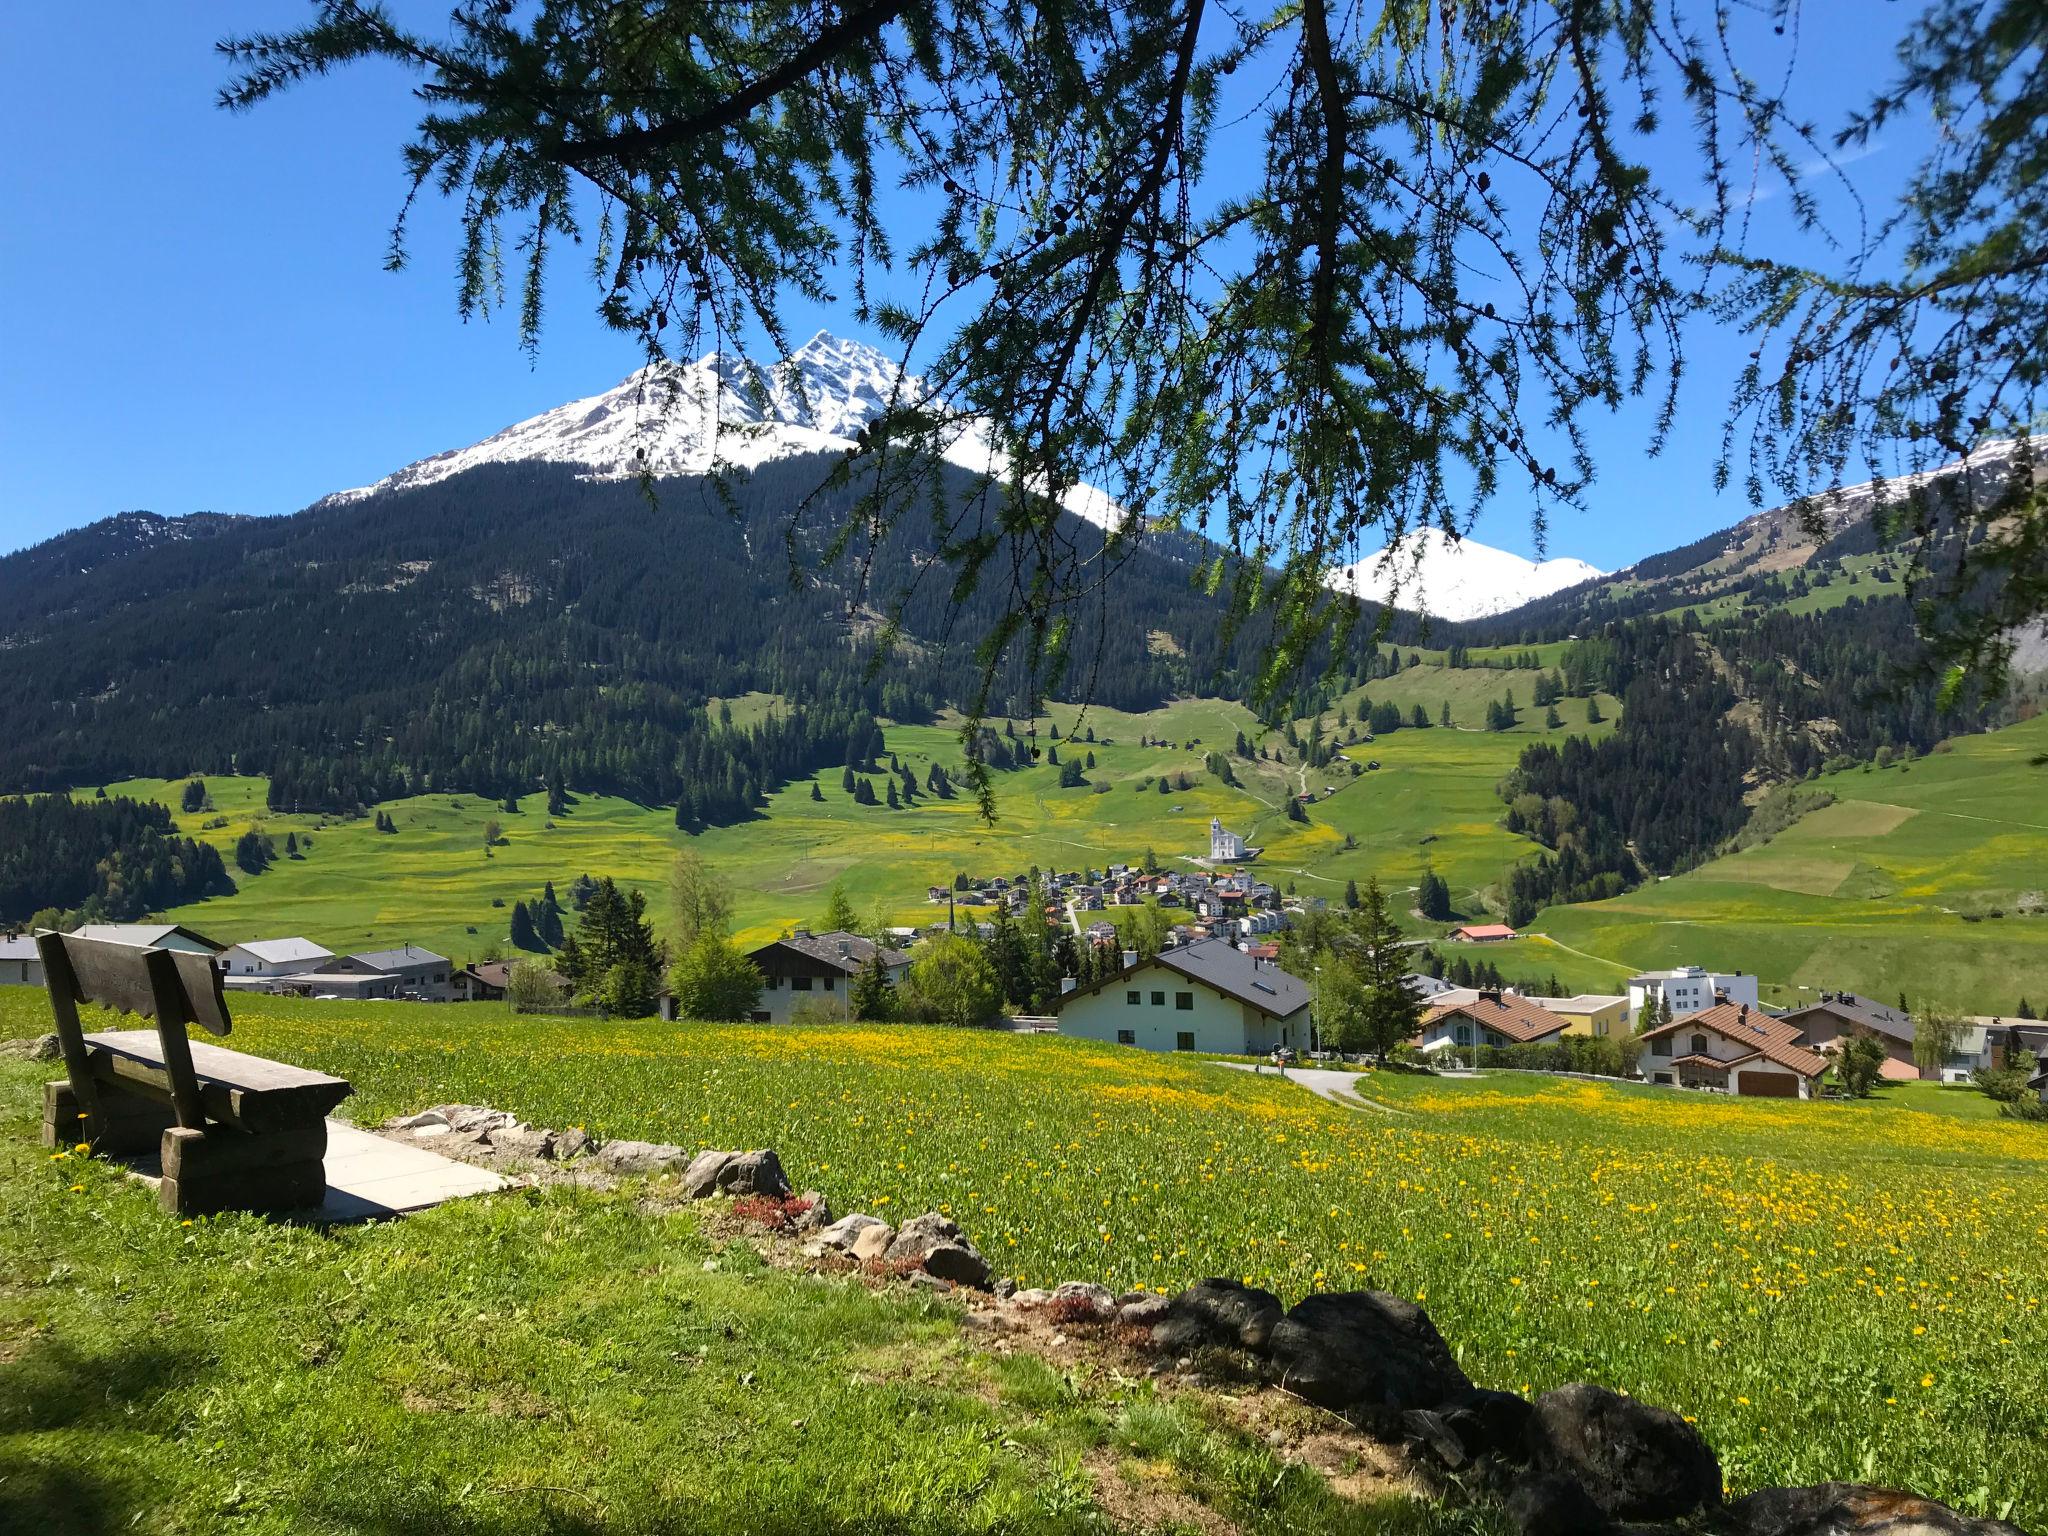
(246,1092)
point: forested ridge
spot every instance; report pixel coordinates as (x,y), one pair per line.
(107,860)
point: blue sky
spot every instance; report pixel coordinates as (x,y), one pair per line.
(194,312)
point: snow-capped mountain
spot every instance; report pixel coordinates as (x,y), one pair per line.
(687,418)
(1456,579)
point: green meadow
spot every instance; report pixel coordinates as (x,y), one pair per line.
(1891,889)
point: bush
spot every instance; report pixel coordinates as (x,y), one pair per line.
(2025,1109)
(531,987)
(715,981)
(2003,1084)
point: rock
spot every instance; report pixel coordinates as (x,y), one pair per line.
(754,1173)
(1363,1349)
(925,1280)
(573,1142)
(1004,1289)
(523,1141)
(873,1242)
(37,1048)
(1635,1461)
(1426,1429)
(1030,1296)
(920,1235)
(839,1236)
(640,1157)
(958,1262)
(471,1119)
(816,1214)
(1550,1504)
(1083,1301)
(1144,1312)
(700,1179)
(1851,1509)
(1218,1312)
(1487,1423)
(425,1121)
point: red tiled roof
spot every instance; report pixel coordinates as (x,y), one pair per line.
(1505,1014)
(1488,930)
(1766,1035)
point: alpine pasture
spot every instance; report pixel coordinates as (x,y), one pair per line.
(1832,1290)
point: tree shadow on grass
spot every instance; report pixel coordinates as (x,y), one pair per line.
(69,1486)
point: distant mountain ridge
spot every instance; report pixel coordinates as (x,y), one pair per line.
(1457,579)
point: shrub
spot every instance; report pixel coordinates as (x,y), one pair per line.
(531,987)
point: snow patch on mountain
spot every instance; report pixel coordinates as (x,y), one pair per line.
(1456,579)
(719,412)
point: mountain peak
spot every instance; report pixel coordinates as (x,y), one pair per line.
(1456,579)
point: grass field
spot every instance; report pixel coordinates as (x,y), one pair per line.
(1833,1290)
(1871,893)
(1433,798)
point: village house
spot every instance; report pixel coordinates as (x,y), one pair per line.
(483,983)
(1203,996)
(1482,933)
(20,963)
(1598,1014)
(807,967)
(410,972)
(1487,1016)
(2039,1083)
(254,964)
(1688,990)
(151,936)
(1824,1025)
(1732,1048)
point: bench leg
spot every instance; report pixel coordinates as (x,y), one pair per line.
(222,1169)
(129,1123)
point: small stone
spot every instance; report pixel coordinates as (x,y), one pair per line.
(571,1143)
(1005,1289)
(839,1236)
(1031,1296)
(925,1280)
(1082,1300)
(816,1214)
(426,1119)
(45,1048)
(522,1141)
(472,1119)
(700,1179)
(1550,1504)
(753,1173)
(920,1235)
(873,1242)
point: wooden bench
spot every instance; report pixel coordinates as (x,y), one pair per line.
(235,1132)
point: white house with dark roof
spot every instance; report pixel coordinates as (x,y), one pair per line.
(20,963)
(409,972)
(254,964)
(151,936)
(806,967)
(1204,996)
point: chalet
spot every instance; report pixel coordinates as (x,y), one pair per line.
(151,936)
(1204,996)
(409,972)
(937,893)
(1732,1048)
(1598,1014)
(1688,990)
(1482,933)
(20,963)
(1426,987)
(1101,933)
(485,983)
(816,967)
(1839,1016)
(1486,1017)
(253,965)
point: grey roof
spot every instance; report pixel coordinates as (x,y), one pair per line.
(844,951)
(18,946)
(1216,964)
(398,959)
(146,934)
(280,951)
(1867,1012)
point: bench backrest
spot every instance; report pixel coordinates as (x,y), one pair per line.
(173,987)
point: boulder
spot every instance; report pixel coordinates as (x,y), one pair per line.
(1635,1461)
(919,1236)
(38,1048)
(1551,1504)
(700,1179)
(640,1157)
(839,1236)
(573,1142)
(428,1122)
(1218,1312)
(816,1214)
(1487,1423)
(1363,1349)
(1143,1312)
(754,1173)
(1084,1301)
(959,1262)
(1850,1509)
(873,1242)
(1030,1296)
(522,1141)
(1004,1288)
(474,1119)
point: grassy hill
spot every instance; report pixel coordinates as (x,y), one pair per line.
(1834,1290)
(1892,888)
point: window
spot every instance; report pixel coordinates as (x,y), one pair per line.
(1158,999)
(1699,1045)
(1184,1041)
(1131,998)
(1127,1037)
(1461,1034)
(1661,1046)
(799,983)
(1184,1001)
(831,983)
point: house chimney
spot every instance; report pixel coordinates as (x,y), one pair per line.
(1744,1015)
(1130,959)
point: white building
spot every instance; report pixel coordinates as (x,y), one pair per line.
(817,968)
(151,936)
(21,965)
(1732,1048)
(255,964)
(1205,996)
(1688,989)
(408,972)
(1225,846)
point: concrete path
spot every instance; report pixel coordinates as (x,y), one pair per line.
(1337,1087)
(369,1177)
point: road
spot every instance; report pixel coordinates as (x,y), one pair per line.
(1337,1087)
